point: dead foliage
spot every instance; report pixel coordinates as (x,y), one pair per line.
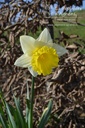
(66,85)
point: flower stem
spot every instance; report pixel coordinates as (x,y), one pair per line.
(31,106)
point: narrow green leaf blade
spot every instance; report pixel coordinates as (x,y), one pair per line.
(10,116)
(19,112)
(2,122)
(45,115)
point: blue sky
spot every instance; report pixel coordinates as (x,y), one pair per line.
(53,12)
(52,8)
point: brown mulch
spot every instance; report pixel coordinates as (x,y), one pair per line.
(66,86)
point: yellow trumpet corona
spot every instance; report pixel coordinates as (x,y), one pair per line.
(44,59)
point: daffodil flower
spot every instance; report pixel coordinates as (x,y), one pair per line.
(41,55)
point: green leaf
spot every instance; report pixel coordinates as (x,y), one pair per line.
(15,116)
(3,119)
(45,115)
(19,113)
(27,92)
(2,122)
(27,109)
(2,108)
(28,103)
(10,117)
(2,101)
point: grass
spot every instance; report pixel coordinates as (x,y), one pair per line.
(67,27)
(71,28)
(74,29)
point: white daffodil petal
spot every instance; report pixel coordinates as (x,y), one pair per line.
(32,71)
(27,43)
(60,50)
(41,44)
(50,43)
(45,36)
(23,61)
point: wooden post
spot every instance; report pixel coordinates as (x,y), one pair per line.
(50,27)
(48,18)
